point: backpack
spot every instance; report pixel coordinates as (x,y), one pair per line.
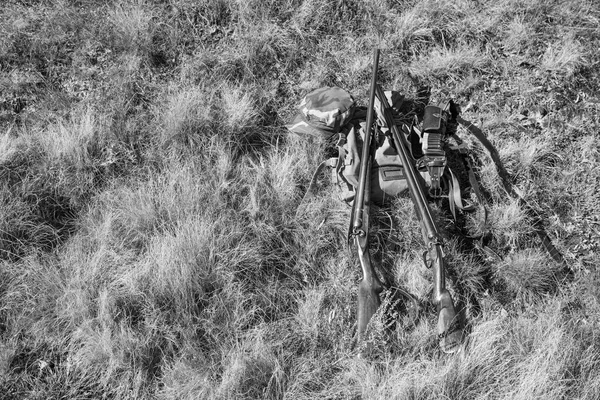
(331,111)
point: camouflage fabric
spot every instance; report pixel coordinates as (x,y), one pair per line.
(323,112)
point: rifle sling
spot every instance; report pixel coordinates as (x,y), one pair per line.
(510,190)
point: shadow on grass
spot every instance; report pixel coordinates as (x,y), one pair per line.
(506,180)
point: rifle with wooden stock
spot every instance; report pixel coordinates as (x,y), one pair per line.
(370,286)
(449,332)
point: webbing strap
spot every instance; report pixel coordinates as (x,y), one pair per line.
(511,191)
(455,196)
(331,162)
(538,226)
(462,149)
(475,186)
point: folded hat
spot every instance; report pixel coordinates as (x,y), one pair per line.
(323,112)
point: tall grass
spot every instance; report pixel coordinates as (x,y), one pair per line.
(155,241)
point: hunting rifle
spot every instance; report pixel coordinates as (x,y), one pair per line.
(370,286)
(449,332)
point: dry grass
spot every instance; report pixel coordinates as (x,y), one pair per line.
(150,245)
(132,25)
(444,62)
(563,57)
(187,117)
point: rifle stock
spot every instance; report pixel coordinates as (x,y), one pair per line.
(368,303)
(450,337)
(370,286)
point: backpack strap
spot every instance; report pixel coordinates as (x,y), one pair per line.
(513,192)
(331,162)
(538,226)
(462,149)
(475,184)
(455,196)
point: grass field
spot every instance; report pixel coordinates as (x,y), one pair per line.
(149,242)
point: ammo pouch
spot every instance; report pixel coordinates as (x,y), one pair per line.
(432,145)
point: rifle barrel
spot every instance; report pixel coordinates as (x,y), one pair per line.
(365,170)
(415,189)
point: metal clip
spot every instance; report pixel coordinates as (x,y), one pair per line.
(358,232)
(436,241)
(435,167)
(428,263)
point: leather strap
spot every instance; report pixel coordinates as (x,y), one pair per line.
(455,196)
(462,149)
(331,162)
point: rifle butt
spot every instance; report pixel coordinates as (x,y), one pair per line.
(368,303)
(449,332)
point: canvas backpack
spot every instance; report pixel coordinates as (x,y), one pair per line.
(332,112)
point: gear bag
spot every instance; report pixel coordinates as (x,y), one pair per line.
(329,111)
(387,173)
